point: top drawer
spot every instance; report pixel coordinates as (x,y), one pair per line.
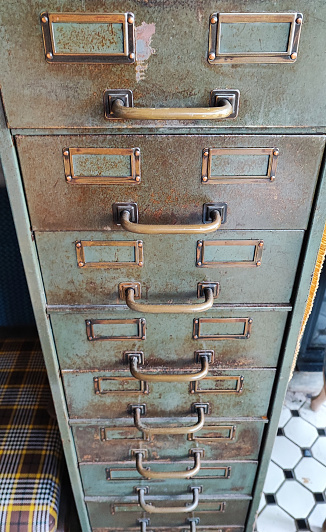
(169,54)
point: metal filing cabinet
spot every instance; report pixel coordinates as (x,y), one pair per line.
(164,161)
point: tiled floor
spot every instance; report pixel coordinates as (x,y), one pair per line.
(295,488)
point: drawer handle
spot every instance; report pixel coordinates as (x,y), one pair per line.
(130,290)
(144,229)
(151,509)
(204,359)
(200,408)
(120,110)
(147,473)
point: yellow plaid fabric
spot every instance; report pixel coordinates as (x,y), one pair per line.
(30,445)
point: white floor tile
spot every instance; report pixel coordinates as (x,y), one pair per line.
(300,432)
(311,474)
(319,449)
(273,519)
(295,499)
(294,400)
(318,419)
(274,478)
(317,517)
(285,416)
(285,453)
(262,503)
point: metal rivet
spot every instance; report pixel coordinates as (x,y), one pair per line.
(205,153)
(272,178)
(81,264)
(137,178)
(258,263)
(276,152)
(78,245)
(250,320)
(140,244)
(294,55)
(204,178)
(137,152)
(143,337)
(200,244)
(66,153)
(49,55)
(88,322)
(196,321)
(196,336)
(131,19)
(213,20)
(299,20)
(44,19)
(211,56)
(248,335)
(198,263)
(140,263)
(261,243)
(68,178)
(131,56)
(90,337)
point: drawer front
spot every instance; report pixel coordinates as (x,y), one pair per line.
(173,65)
(220,440)
(236,336)
(120,479)
(228,258)
(123,514)
(262,190)
(229,393)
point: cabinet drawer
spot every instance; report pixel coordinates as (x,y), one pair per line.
(170,179)
(171,67)
(122,514)
(235,335)
(120,479)
(221,440)
(229,393)
(227,258)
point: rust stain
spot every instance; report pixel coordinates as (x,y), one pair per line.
(144,34)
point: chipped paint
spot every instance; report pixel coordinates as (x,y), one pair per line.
(144,34)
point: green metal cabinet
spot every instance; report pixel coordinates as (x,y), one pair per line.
(168,354)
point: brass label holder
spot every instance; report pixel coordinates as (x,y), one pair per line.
(137,245)
(194,387)
(198,323)
(139,322)
(202,246)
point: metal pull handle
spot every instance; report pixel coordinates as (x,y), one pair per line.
(147,473)
(144,229)
(151,509)
(129,293)
(120,110)
(200,408)
(204,359)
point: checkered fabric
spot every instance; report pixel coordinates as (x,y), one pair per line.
(30,445)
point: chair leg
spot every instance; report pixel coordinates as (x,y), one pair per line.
(317,401)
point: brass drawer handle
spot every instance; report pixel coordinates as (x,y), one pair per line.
(204,359)
(144,229)
(147,473)
(120,110)
(200,408)
(131,290)
(151,509)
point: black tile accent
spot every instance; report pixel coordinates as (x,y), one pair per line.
(302,524)
(319,497)
(288,473)
(295,413)
(306,453)
(270,498)
(321,432)
(280,432)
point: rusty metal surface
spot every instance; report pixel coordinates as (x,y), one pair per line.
(171,189)
(75,351)
(109,515)
(221,440)
(170,277)
(171,67)
(83,402)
